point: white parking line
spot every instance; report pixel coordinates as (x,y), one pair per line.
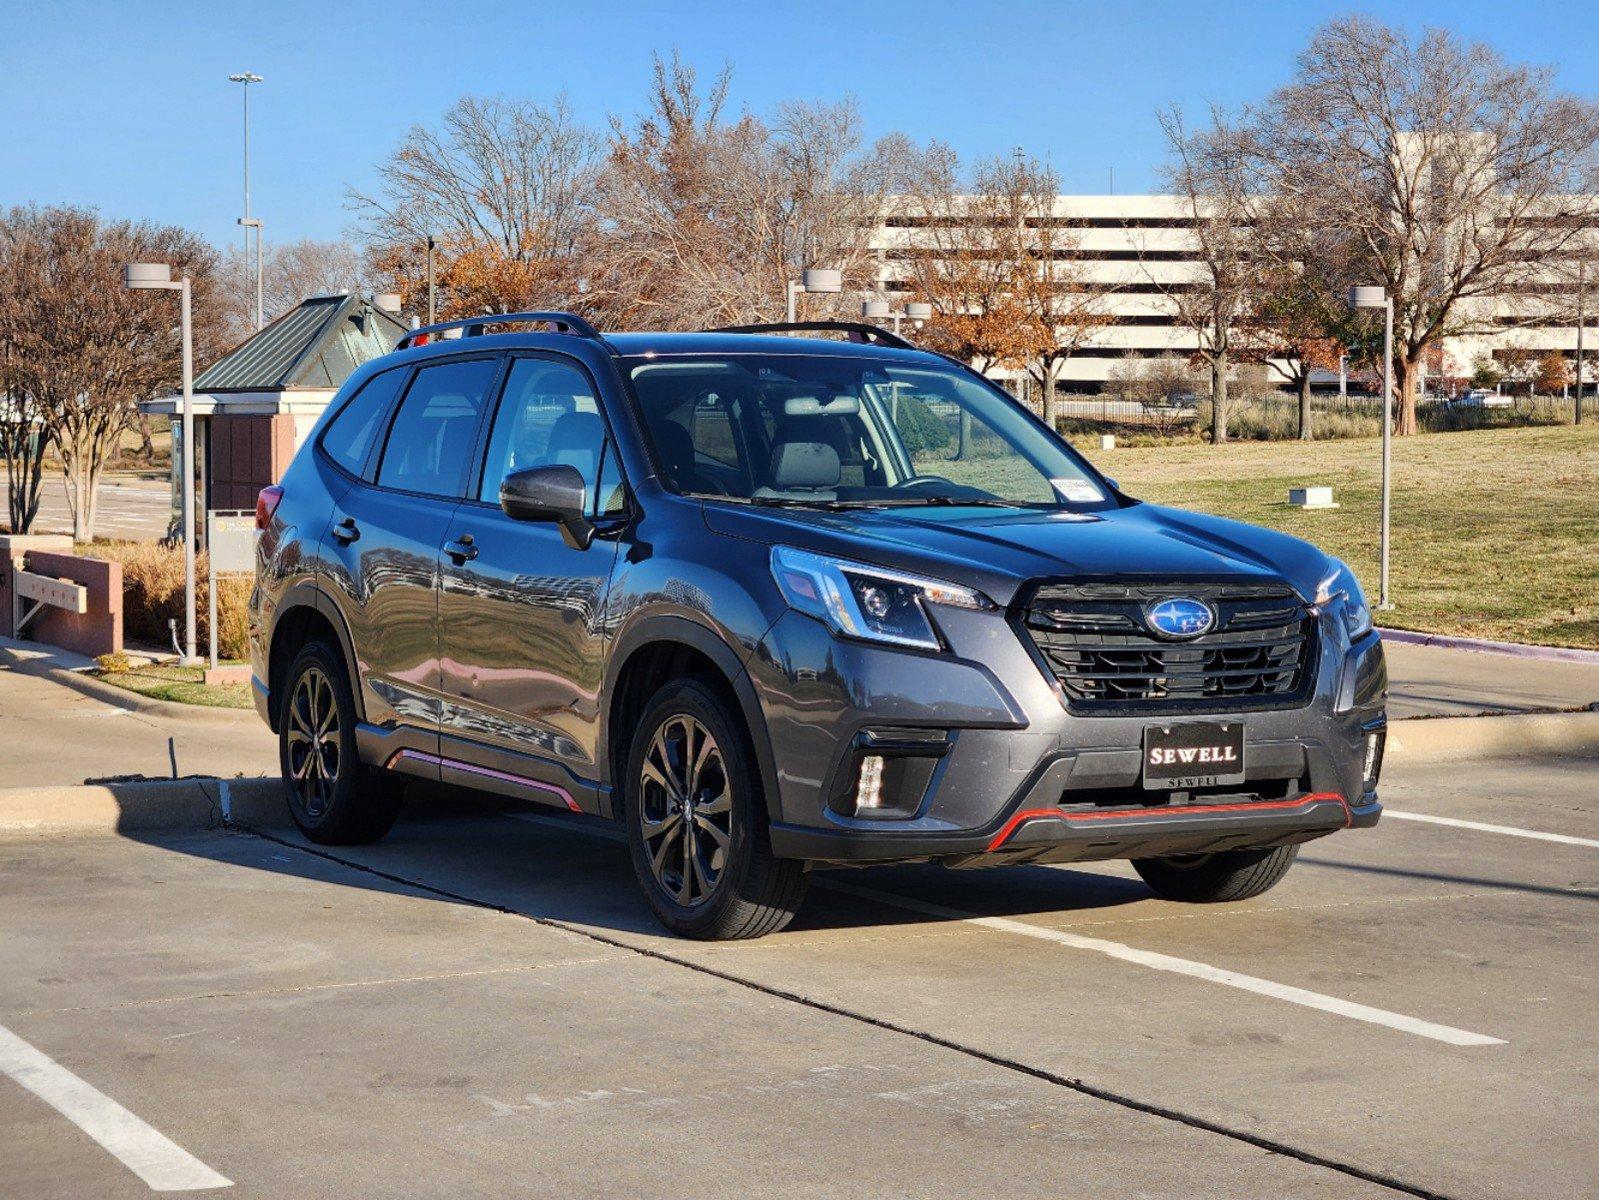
(1483,827)
(163,1164)
(1183,966)
(1143,958)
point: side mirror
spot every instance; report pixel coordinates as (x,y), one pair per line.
(551,493)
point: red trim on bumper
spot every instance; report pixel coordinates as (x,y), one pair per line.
(1154,815)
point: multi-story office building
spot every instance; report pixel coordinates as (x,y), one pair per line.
(1143,249)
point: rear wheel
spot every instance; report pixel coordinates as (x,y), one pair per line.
(333,798)
(696,821)
(1216,878)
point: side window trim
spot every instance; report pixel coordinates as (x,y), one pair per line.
(375,465)
(474,482)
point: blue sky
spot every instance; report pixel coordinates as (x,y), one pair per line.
(124,105)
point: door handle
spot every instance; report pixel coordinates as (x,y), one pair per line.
(346,531)
(462,550)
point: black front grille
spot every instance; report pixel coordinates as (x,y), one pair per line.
(1094,640)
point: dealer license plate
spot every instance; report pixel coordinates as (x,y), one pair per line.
(1196,754)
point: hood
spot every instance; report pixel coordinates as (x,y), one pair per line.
(996,550)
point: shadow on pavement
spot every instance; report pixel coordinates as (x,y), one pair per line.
(464,847)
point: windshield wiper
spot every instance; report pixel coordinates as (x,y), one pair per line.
(951,502)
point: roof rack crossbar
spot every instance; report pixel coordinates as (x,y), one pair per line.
(859,331)
(564,322)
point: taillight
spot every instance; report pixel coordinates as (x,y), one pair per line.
(266,503)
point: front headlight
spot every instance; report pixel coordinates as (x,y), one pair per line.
(1340,594)
(865,602)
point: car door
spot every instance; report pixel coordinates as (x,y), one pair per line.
(383,545)
(522,645)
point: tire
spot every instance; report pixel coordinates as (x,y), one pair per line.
(333,798)
(1217,878)
(712,876)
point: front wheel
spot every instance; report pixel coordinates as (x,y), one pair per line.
(1216,878)
(333,798)
(696,821)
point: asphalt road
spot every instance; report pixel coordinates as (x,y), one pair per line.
(480,1006)
(130,508)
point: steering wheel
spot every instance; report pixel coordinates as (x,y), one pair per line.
(921,481)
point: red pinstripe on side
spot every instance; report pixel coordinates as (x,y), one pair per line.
(1156,814)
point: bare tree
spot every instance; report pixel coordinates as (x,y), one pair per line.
(507,189)
(290,272)
(1209,174)
(704,220)
(1299,319)
(23,436)
(80,347)
(1455,173)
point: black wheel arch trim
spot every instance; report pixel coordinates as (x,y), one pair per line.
(308,594)
(673,628)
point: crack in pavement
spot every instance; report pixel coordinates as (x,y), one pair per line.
(1094,1091)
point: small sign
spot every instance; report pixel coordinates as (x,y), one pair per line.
(57,593)
(231,542)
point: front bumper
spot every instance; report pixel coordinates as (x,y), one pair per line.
(1017,777)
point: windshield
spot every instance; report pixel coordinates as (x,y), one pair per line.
(836,431)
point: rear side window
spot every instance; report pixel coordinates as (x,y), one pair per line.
(430,442)
(349,439)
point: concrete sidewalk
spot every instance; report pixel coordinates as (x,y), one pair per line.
(57,735)
(1431,681)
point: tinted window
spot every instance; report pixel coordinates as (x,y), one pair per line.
(431,439)
(348,440)
(548,416)
(612,496)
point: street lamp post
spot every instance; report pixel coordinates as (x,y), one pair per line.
(248,222)
(1376,297)
(158,276)
(814,279)
(432,247)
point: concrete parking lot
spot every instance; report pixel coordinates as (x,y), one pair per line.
(481,1006)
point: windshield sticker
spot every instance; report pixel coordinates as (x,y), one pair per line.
(1078,491)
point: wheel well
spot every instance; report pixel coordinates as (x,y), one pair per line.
(294,629)
(647,669)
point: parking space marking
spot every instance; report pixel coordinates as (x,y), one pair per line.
(1483,827)
(1143,958)
(163,1164)
(1182,966)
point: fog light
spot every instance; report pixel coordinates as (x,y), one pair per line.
(869,792)
(1371,767)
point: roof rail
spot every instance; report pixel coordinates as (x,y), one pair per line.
(859,331)
(564,322)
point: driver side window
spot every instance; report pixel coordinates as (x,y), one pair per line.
(548,416)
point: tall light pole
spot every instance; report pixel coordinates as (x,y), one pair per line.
(432,246)
(249,223)
(814,279)
(1376,297)
(158,276)
(1582,318)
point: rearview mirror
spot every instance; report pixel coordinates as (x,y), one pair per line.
(552,493)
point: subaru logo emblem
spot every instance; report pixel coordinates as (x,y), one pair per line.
(1179,618)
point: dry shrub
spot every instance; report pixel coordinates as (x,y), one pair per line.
(152,594)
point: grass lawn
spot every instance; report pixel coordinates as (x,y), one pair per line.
(185,685)
(1495,532)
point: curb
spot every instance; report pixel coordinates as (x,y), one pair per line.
(1410,637)
(146,806)
(122,698)
(199,803)
(1447,739)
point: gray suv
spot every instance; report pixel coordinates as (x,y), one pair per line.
(774,602)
